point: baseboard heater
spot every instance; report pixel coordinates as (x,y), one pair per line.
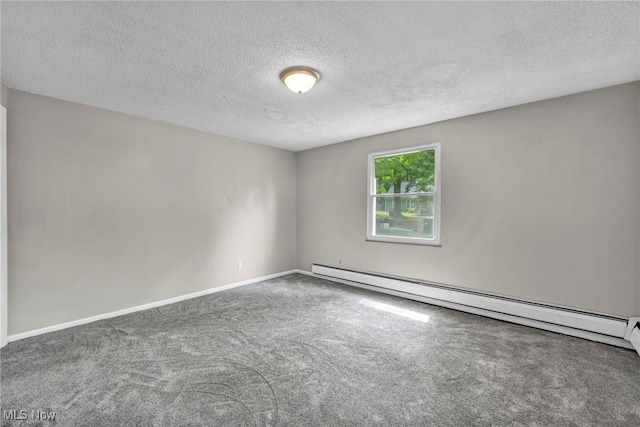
(613,330)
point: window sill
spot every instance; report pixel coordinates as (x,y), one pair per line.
(415,242)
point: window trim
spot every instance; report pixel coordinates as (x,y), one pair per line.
(371,196)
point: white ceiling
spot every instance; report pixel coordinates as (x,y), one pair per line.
(384,66)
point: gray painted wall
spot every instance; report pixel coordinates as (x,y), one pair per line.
(109,211)
(539,201)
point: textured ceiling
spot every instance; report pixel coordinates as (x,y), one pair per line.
(384,66)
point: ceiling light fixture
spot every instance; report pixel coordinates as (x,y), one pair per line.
(299,79)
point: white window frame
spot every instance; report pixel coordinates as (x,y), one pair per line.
(371,196)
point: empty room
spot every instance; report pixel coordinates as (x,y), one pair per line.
(320,213)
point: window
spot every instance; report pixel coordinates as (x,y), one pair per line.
(404,196)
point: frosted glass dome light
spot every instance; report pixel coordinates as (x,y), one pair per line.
(299,79)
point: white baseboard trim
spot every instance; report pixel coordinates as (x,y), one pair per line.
(305,272)
(60,326)
(592,326)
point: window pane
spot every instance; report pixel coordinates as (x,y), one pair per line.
(404,216)
(406,173)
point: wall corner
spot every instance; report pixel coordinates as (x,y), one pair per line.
(3,95)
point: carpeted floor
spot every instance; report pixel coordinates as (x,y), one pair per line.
(300,351)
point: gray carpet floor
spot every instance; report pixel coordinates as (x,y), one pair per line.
(300,351)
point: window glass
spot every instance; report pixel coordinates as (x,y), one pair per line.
(404,196)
